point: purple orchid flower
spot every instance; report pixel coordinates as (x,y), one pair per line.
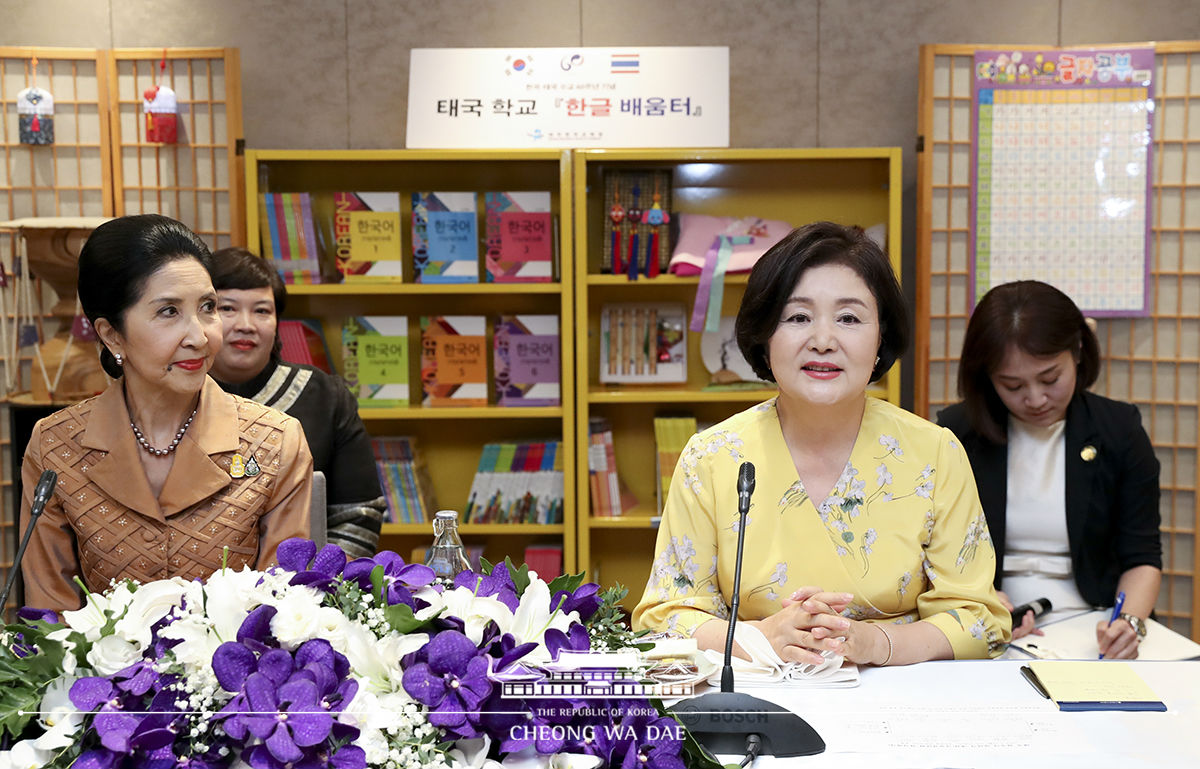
(315,569)
(400,578)
(575,639)
(234,668)
(498,585)
(642,739)
(255,630)
(288,718)
(29,614)
(533,728)
(345,757)
(585,600)
(452,682)
(97,758)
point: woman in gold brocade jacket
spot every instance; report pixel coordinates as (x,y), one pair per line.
(163,471)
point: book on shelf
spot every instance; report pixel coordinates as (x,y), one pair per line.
(302,341)
(453,364)
(375,359)
(643,343)
(366,229)
(671,435)
(520,232)
(404,479)
(289,237)
(526,360)
(517,482)
(445,235)
(610,497)
(546,560)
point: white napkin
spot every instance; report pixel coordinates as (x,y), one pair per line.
(767,667)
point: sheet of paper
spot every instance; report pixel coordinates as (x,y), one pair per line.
(1075,638)
(1092,681)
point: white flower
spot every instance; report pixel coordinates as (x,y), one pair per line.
(150,603)
(529,758)
(59,716)
(296,620)
(472,754)
(112,654)
(376,661)
(92,618)
(477,611)
(883,475)
(533,618)
(25,755)
(228,597)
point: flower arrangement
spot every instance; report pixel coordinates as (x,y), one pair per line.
(321,662)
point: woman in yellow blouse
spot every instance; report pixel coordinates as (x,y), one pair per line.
(873,504)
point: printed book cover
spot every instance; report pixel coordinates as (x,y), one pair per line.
(445,235)
(520,237)
(454,368)
(366,229)
(526,360)
(375,356)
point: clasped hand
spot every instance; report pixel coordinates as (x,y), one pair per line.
(810,622)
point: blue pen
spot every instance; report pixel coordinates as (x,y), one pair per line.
(1116,612)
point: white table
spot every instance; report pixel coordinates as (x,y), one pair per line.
(984,714)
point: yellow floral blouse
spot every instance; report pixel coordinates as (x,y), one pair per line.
(902,530)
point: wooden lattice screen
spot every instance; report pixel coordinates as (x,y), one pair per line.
(71,177)
(199,180)
(1153,362)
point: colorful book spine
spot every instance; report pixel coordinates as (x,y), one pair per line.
(520,245)
(517,483)
(265,229)
(375,359)
(288,236)
(525,355)
(453,362)
(404,479)
(366,229)
(602,470)
(445,234)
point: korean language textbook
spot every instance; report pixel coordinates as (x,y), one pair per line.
(445,237)
(375,359)
(366,229)
(520,237)
(526,360)
(454,368)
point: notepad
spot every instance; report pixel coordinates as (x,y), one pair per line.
(1094,685)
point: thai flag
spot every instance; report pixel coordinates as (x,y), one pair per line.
(624,63)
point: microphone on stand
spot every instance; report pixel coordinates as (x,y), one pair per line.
(732,723)
(41,495)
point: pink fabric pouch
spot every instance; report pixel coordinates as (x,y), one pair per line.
(698,235)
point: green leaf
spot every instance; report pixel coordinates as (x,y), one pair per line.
(402,620)
(567,582)
(377,585)
(485,566)
(520,577)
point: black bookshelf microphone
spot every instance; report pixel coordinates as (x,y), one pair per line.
(1038,607)
(41,495)
(726,721)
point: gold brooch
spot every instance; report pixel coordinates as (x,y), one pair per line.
(1088,453)
(237,468)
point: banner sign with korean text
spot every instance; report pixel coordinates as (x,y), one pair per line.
(489,98)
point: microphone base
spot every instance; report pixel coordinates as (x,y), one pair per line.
(721,721)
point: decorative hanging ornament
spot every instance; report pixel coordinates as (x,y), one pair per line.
(162,111)
(35,113)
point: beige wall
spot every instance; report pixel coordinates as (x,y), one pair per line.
(803,73)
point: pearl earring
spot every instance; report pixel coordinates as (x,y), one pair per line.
(876,360)
(119,358)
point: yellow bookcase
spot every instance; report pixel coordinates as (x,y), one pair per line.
(449,438)
(853,186)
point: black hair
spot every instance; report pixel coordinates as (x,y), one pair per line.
(240,270)
(777,272)
(1034,317)
(118,259)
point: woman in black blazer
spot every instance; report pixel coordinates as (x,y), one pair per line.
(1028,357)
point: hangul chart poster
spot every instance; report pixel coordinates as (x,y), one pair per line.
(1060,176)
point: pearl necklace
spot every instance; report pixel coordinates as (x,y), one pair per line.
(141,439)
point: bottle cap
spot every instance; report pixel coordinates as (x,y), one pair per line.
(446,514)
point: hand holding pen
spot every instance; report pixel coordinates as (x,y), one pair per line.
(1117,640)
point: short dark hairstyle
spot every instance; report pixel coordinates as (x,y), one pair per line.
(118,259)
(1034,317)
(777,272)
(239,270)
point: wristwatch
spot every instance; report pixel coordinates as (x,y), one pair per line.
(1139,625)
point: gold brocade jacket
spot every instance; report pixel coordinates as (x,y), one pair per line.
(104,523)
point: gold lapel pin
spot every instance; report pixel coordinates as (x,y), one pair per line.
(1088,453)
(237,467)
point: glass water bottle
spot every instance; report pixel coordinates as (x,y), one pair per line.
(447,557)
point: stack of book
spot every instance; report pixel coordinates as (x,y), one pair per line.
(602,470)
(289,238)
(671,434)
(517,483)
(404,479)
(546,560)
